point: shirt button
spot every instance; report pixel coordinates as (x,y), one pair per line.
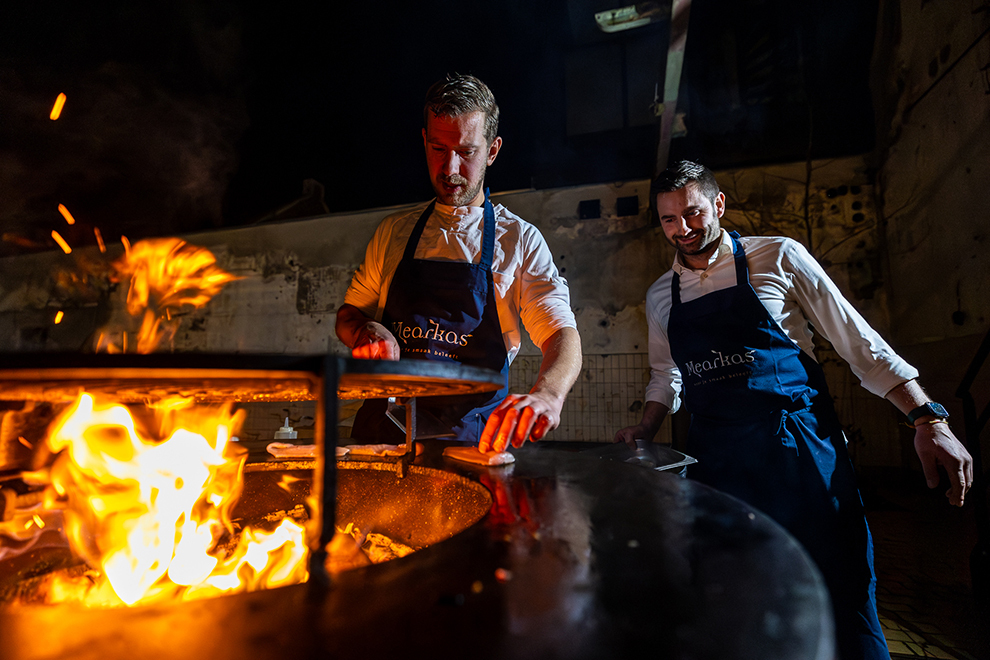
(704,276)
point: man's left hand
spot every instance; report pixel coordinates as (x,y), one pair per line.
(518,418)
(936,445)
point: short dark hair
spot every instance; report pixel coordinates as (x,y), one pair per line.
(459,94)
(681,173)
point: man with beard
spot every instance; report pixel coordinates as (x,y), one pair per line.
(730,327)
(455,282)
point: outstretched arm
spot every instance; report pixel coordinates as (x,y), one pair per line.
(530,416)
(365,337)
(935,443)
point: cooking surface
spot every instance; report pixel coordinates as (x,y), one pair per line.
(140,378)
(578,558)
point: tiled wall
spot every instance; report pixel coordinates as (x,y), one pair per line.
(607,396)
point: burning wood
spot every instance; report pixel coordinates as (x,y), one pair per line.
(144,497)
(148,505)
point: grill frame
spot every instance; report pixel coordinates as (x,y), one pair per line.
(211,378)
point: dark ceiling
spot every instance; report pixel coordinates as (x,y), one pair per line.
(190,115)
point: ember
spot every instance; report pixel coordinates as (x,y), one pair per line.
(57,108)
(65,214)
(61,242)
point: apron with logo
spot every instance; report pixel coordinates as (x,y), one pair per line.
(445,311)
(764,430)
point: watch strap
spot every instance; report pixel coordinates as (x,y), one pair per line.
(931,408)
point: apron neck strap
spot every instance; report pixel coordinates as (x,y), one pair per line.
(739,256)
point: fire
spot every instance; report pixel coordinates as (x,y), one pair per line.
(153,515)
(166,276)
(58,317)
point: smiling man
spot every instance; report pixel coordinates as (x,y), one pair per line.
(730,329)
(458,280)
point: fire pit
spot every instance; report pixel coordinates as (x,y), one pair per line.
(577,557)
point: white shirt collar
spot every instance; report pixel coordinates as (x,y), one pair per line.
(724,248)
(454,216)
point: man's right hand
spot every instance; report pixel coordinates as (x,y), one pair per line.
(374,342)
(630,434)
(653,415)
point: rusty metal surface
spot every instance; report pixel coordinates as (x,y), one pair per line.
(423,507)
(578,558)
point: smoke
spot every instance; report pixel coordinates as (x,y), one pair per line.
(144,146)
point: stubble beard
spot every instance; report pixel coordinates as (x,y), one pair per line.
(463,198)
(708,243)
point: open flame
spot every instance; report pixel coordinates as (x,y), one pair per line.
(152,513)
(167,276)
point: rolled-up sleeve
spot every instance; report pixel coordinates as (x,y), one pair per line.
(870,358)
(544,297)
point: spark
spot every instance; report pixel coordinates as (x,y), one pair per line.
(58,317)
(99,239)
(61,242)
(65,214)
(57,108)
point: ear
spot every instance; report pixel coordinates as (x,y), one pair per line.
(424,138)
(720,205)
(493,149)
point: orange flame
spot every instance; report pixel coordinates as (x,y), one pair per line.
(58,317)
(99,239)
(154,516)
(61,242)
(166,275)
(65,214)
(57,108)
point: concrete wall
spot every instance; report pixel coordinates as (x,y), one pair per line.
(932,99)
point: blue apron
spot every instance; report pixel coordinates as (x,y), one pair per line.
(763,429)
(445,311)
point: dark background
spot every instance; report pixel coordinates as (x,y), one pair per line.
(191,115)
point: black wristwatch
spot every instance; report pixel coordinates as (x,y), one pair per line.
(931,408)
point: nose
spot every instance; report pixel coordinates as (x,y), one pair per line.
(681,226)
(451,163)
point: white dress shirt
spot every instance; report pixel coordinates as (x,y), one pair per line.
(798,294)
(528,287)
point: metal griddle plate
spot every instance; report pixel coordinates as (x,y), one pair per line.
(213,378)
(579,558)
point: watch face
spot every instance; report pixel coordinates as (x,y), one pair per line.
(938,410)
